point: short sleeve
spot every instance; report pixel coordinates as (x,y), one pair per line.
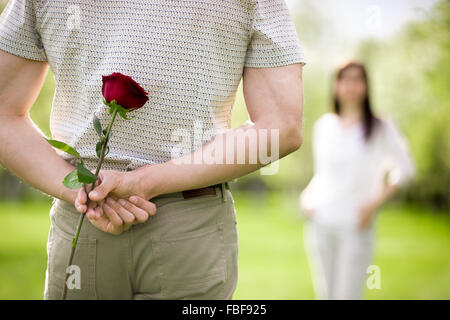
(273,38)
(18,34)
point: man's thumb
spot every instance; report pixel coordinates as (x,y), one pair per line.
(101,191)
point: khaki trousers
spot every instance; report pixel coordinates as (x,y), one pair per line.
(188,250)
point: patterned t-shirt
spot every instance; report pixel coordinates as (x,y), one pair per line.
(188,55)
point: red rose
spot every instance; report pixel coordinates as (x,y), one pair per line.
(127,92)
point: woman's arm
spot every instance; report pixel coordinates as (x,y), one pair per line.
(397,152)
(401,169)
(306,199)
(306,203)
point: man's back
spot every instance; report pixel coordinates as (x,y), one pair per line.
(189,55)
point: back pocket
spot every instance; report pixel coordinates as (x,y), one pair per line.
(192,264)
(83,274)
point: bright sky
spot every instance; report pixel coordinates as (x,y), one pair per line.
(364,18)
(349,21)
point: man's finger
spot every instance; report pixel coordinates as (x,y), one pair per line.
(99,210)
(90,212)
(104,224)
(140,214)
(94,212)
(80,201)
(105,186)
(112,215)
(126,216)
(146,205)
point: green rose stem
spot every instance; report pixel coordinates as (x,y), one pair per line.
(80,221)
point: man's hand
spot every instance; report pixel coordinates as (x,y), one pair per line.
(119,185)
(113,215)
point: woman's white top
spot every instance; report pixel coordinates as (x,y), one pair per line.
(348,171)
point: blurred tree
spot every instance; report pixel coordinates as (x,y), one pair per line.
(410,77)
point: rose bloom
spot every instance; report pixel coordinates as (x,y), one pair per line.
(127,92)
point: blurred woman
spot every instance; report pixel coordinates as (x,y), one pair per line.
(353,150)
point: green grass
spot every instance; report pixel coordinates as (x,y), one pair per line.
(412,251)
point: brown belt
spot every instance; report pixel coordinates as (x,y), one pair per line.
(211,190)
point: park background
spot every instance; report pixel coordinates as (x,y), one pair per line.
(405,45)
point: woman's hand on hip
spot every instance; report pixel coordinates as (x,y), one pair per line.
(366,215)
(308,212)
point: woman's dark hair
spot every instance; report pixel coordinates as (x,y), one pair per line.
(369,119)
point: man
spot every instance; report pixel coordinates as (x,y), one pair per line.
(190,56)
